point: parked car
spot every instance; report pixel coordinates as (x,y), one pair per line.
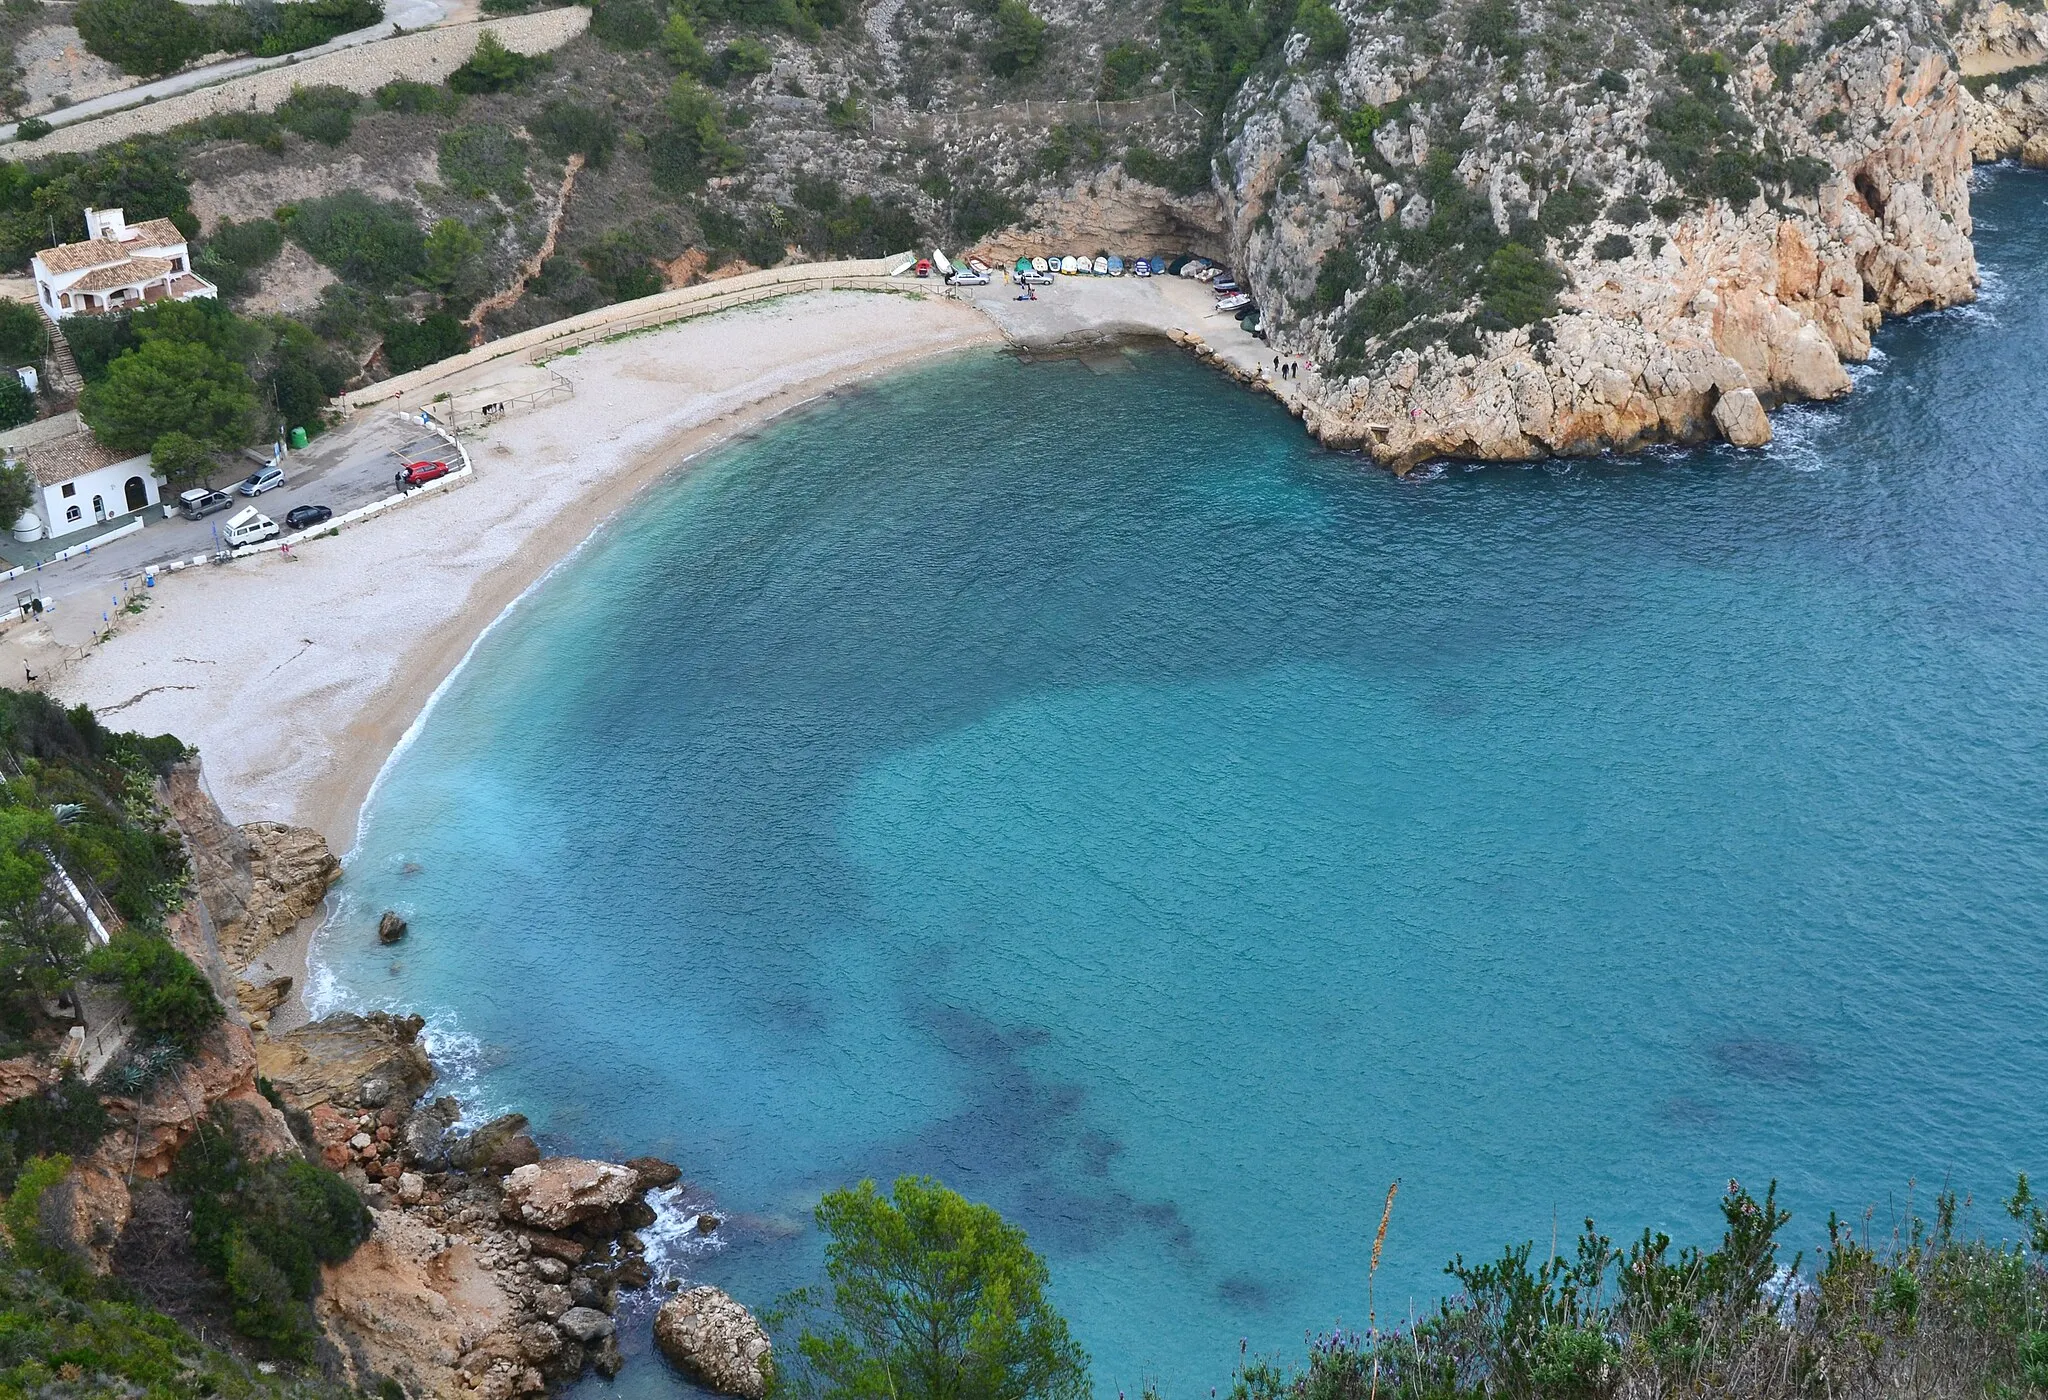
(965,278)
(261,480)
(304,517)
(420,473)
(198,503)
(249,526)
(1035,279)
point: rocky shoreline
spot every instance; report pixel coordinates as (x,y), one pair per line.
(491,1270)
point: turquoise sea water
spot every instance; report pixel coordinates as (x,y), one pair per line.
(1068,780)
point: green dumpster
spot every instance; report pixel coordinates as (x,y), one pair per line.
(298,438)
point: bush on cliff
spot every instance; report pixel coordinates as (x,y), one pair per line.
(263,1228)
(168,999)
(933,1297)
(65,1119)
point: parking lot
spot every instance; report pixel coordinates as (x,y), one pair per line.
(349,467)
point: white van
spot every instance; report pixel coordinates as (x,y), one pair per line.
(249,526)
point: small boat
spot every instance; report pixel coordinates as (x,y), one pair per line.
(939,261)
(1101,266)
(1159,267)
(1067,266)
(924,267)
(1224,285)
(1141,267)
(903,267)
(1116,267)
(1038,265)
(978,266)
(1209,273)
(1023,266)
(1235,301)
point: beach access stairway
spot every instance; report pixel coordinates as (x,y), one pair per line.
(422,388)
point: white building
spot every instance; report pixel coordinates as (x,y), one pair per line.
(79,484)
(119,267)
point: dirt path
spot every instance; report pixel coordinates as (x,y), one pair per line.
(530,269)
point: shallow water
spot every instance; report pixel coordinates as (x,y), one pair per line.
(1077,785)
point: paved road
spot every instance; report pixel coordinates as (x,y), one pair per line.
(407,14)
(349,467)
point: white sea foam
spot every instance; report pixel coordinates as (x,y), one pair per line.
(673,1241)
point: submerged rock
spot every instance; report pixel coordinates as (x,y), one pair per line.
(715,1342)
(391,927)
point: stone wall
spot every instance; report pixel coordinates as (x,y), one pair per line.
(428,56)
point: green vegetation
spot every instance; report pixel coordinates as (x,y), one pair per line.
(932,1297)
(1492,27)
(1328,39)
(168,999)
(681,46)
(17,404)
(51,194)
(743,58)
(1926,1312)
(1847,25)
(67,1118)
(410,344)
(452,252)
(171,384)
(180,459)
(402,95)
(495,68)
(152,37)
(1125,67)
(860,227)
(483,162)
(1016,40)
(24,338)
(1614,247)
(364,240)
(692,146)
(17,490)
(325,114)
(625,24)
(1519,287)
(231,257)
(264,1228)
(566,128)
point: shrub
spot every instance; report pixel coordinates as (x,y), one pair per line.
(1847,25)
(168,998)
(180,458)
(846,114)
(494,68)
(1731,175)
(1565,210)
(65,1118)
(620,267)
(362,239)
(1491,26)
(743,58)
(681,46)
(1328,39)
(146,38)
(1187,173)
(481,161)
(301,24)
(1336,276)
(402,95)
(1629,210)
(412,344)
(1614,247)
(231,255)
(1519,286)
(625,24)
(1786,61)
(325,114)
(452,248)
(692,146)
(167,384)
(1125,68)
(979,209)
(1357,126)
(566,128)
(17,404)
(1611,81)
(1017,40)
(21,1214)
(32,129)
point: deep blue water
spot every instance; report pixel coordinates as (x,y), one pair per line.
(1068,780)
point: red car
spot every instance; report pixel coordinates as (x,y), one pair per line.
(420,473)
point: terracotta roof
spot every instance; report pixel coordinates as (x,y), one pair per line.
(76,257)
(97,252)
(155,233)
(54,463)
(126,273)
(185,284)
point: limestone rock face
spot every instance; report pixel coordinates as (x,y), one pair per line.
(1673,326)
(715,1342)
(156,1125)
(1111,210)
(256,881)
(560,1193)
(372,1060)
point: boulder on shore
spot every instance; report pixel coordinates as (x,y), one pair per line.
(715,1342)
(560,1193)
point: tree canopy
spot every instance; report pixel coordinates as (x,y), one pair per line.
(935,1297)
(185,385)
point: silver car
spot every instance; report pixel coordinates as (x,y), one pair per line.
(265,479)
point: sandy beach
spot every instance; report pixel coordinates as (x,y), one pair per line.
(296,677)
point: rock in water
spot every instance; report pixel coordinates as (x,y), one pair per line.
(390,928)
(586,1325)
(499,1145)
(655,1173)
(561,1193)
(1741,418)
(715,1342)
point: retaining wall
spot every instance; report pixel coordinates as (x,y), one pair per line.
(418,388)
(428,56)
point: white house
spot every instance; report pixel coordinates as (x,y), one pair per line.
(117,268)
(79,484)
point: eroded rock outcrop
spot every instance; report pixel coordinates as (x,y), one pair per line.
(558,1194)
(715,1342)
(373,1060)
(256,881)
